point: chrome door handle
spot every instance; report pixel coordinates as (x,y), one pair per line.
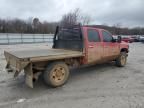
(91,46)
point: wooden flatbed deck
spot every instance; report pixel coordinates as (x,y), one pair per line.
(44,54)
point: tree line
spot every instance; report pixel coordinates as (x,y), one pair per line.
(34,25)
(116,30)
(26,26)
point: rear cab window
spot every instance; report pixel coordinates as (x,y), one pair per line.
(69,34)
(93,35)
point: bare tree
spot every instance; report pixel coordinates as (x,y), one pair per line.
(75,17)
(117,28)
(84,19)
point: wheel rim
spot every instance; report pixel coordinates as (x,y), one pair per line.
(123,60)
(58,74)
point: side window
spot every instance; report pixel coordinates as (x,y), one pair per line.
(93,36)
(107,37)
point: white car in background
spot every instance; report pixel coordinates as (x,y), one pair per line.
(141,38)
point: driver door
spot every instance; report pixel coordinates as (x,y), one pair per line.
(111,49)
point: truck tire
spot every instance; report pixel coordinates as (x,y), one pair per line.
(121,60)
(56,74)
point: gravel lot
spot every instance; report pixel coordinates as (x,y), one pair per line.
(100,86)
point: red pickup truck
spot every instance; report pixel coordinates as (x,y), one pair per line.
(73,46)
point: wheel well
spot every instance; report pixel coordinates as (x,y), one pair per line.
(124,50)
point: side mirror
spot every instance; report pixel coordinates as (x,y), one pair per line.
(119,39)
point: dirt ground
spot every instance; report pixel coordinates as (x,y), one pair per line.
(100,86)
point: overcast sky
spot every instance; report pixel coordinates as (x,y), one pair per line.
(127,12)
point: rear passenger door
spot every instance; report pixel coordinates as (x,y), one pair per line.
(111,49)
(95,48)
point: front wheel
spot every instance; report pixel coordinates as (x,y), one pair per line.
(122,59)
(56,74)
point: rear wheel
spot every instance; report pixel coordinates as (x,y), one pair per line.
(56,74)
(122,59)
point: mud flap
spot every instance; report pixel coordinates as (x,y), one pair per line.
(29,75)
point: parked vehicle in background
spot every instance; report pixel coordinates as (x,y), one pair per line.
(135,38)
(128,39)
(73,46)
(141,39)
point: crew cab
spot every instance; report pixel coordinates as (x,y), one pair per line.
(73,46)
